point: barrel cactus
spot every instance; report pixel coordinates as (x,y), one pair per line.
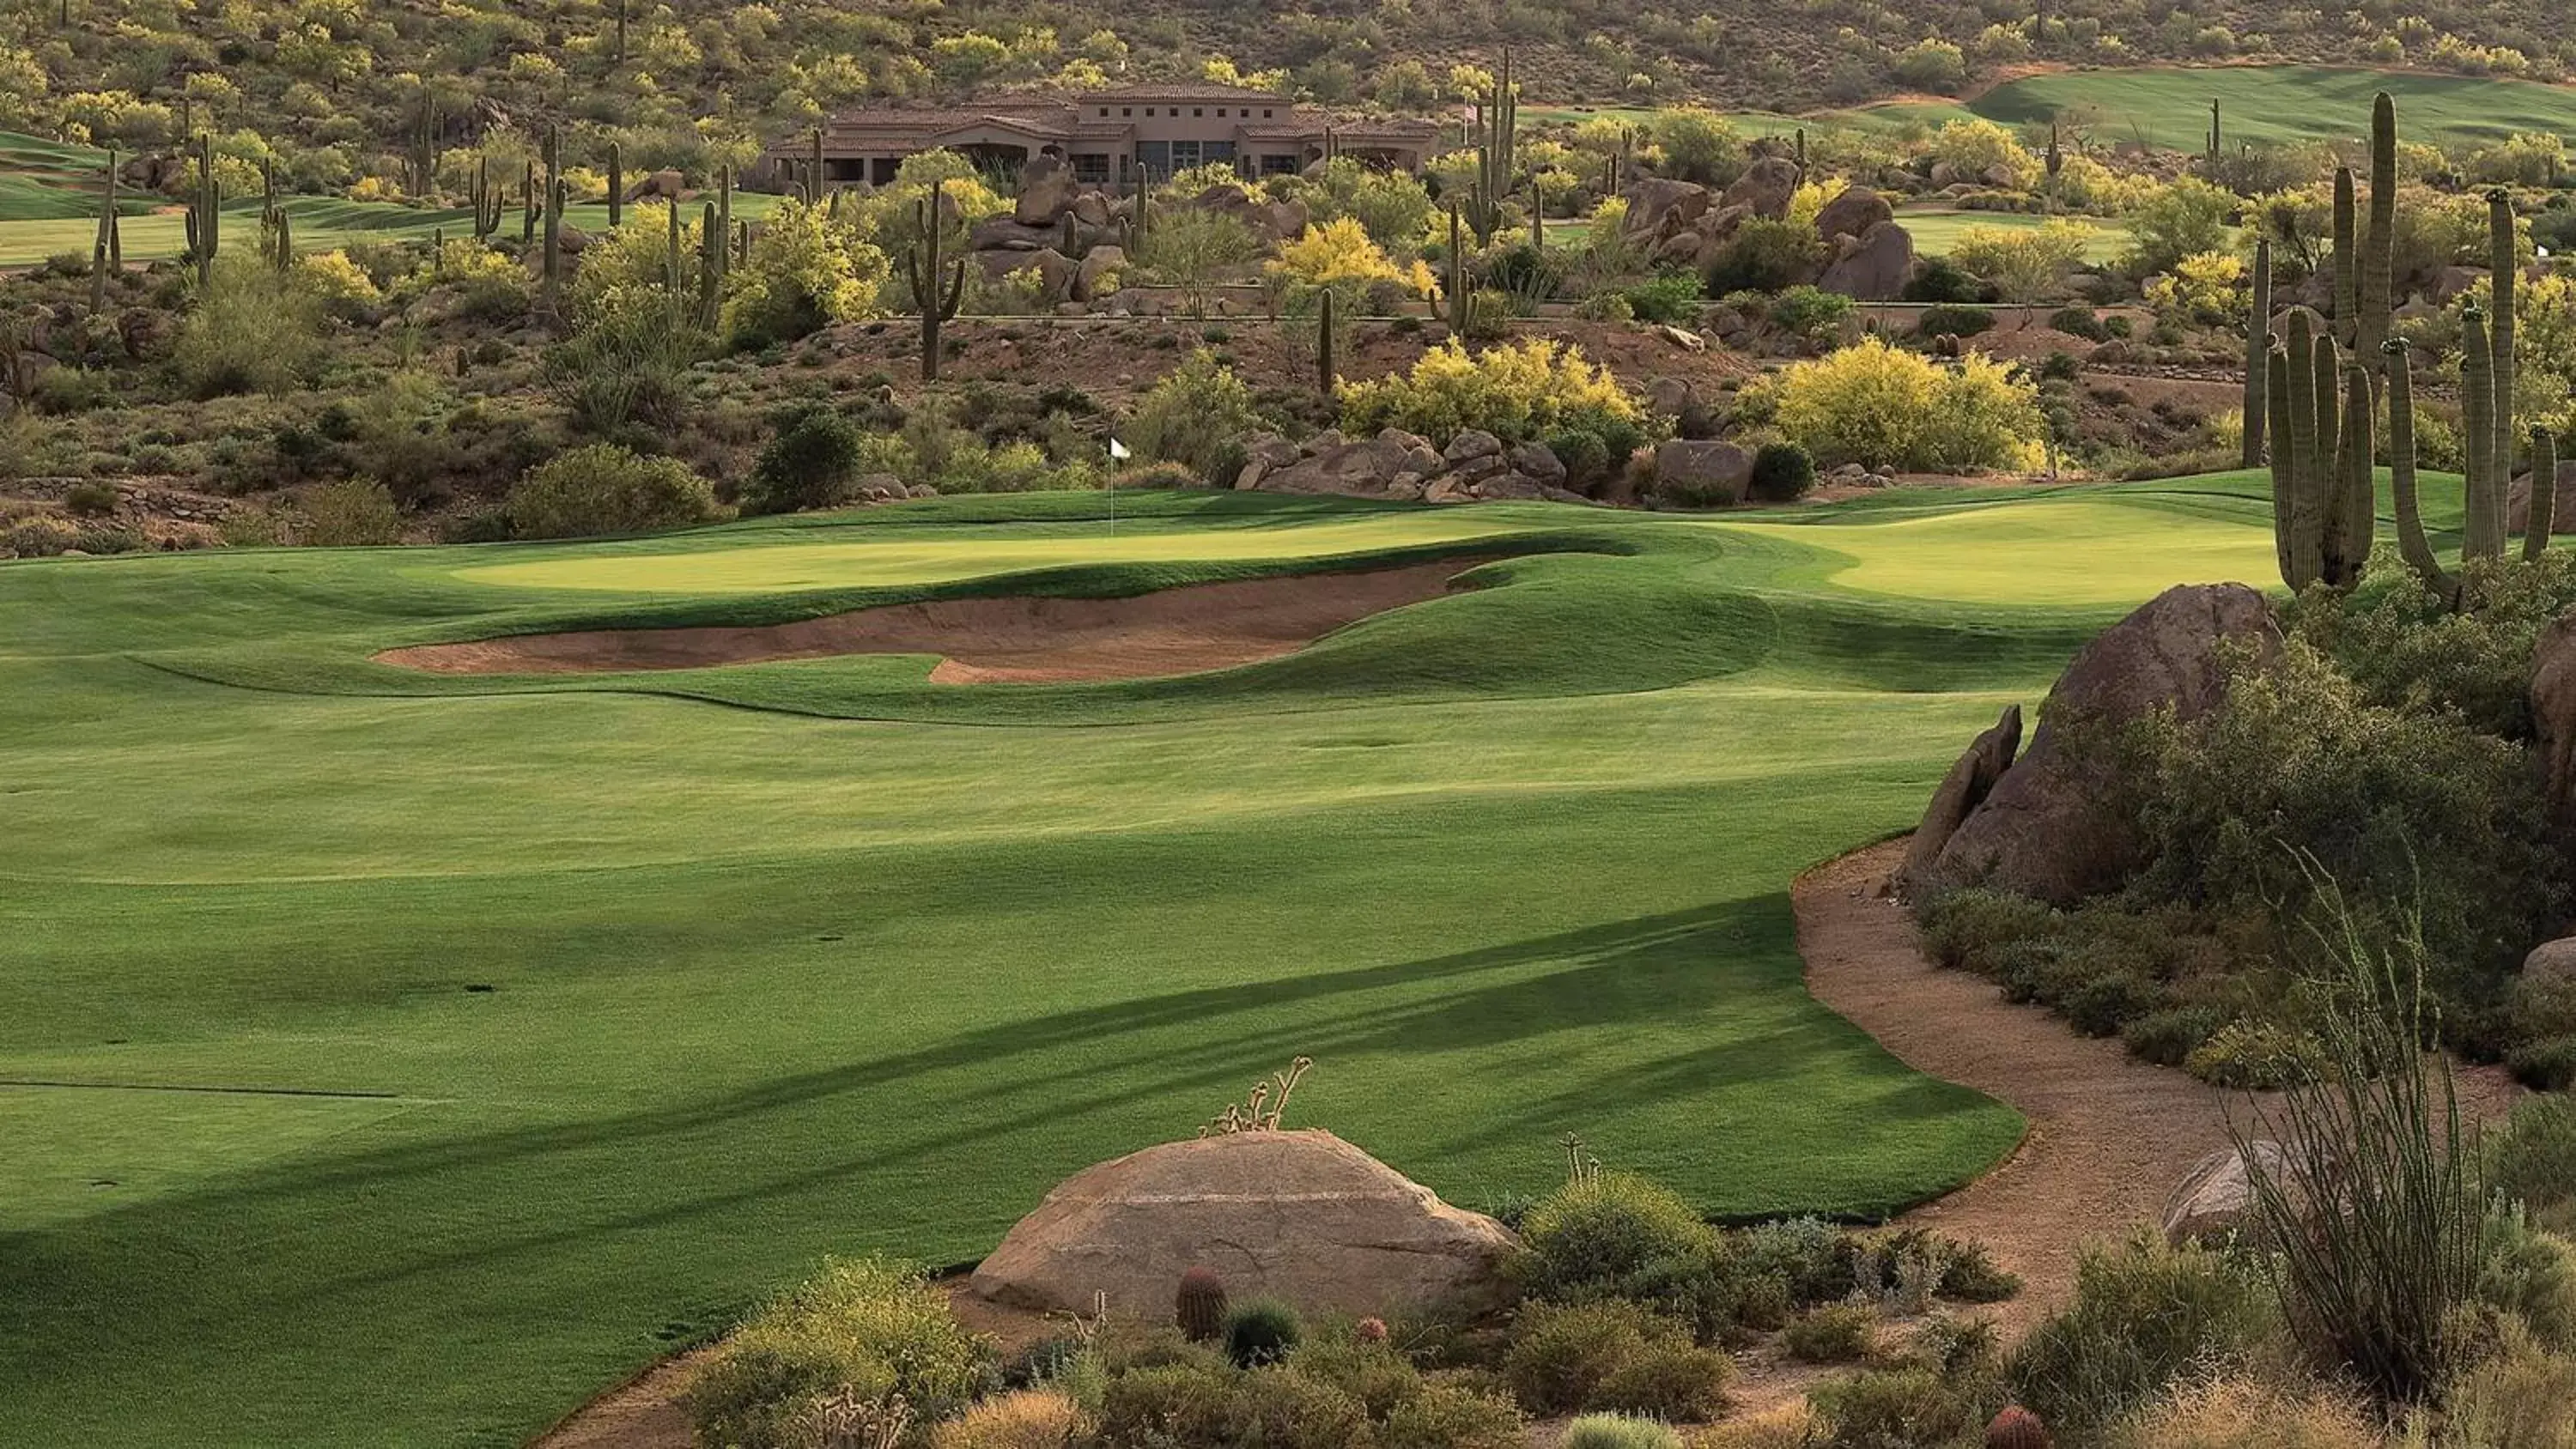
(1199,1306)
(2017,1428)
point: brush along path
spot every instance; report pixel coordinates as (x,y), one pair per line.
(1025,639)
(2110,1136)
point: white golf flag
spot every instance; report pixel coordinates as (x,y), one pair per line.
(1118,450)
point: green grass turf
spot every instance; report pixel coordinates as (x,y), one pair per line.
(1936,229)
(30,234)
(2168,106)
(868,963)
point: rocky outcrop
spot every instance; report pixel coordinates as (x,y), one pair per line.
(1971,779)
(658,186)
(2552,961)
(2553,714)
(2216,1201)
(2562,517)
(1873,266)
(1098,275)
(1302,1216)
(1853,213)
(1765,188)
(1658,207)
(1047,191)
(1476,467)
(1701,473)
(2058,825)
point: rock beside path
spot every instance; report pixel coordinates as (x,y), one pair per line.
(1302,1216)
(1971,779)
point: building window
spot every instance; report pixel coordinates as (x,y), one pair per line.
(1265,113)
(1195,111)
(1091,169)
(1185,154)
(1274,164)
(1128,111)
(1104,112)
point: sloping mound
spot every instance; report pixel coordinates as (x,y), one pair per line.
(1025,639)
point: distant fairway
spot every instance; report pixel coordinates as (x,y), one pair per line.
(1936,229)
(398,1059)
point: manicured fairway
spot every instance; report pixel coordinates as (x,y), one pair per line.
(1936,229)
(397,1059)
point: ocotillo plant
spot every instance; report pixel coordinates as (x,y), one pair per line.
(616,186)
(1497,142)
(553,269)
(2543,507)
(935,292)
(2397,364)
(205,213)
(2258,349)
(486,201)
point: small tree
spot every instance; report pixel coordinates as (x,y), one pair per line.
(808,464)
(1197,416)
(1191,247)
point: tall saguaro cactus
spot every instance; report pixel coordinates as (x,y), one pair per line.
(2482,530)
(1324,372)
(2379,240)
(2258,348)
(2541,515)
(2347,259)
(936,292)
(2323,510)
(1497,145)
(711,268)
(2504,267)
(485,201)
(1455,268)
(205,213)
(103,248)
(554,224)
(616,186)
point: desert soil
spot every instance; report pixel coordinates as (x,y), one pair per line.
(1020,639)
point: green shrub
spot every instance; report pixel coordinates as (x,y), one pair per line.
(1672,298)
(2168,1037)
(1197,417)
(1564,1355)
(104,538)
(2547,1065)
(2535,1159)
(355,512)
(1283,1409)
(40,536)
(2529,1274)
(1589,1238)
(1905,1408)
(868,1326)
(2516,1398)
(1939,279)
(1618,1431)
(1765,256)
(1782,473)
(1875,404)
(1155,476)
(2108,1002)
(1835,1333)
(1587,456)
(1811,313)
(809,463)
(1444,1416)
(1962,929)
(1815,1260)
(1373,1373)
(253,330)
(1669,1378)
(1043,1418)
(604,489)
(2143,1314)
(1262,1331)
(1517,392)
(1952,320)
(1971,1275)
(90,500)
(2254,1056)
(2081,322)
(1182,1405)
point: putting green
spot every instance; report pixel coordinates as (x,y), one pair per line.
(895,560)
(2054,551)
(555,1019)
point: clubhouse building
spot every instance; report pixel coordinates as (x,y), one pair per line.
(1111,138)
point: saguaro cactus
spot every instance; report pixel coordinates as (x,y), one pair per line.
(205,213)
(2379,241)
(1324,344)
(2258,348)
(814,171)
(1497,142)
(671,254)
(2543,507)
(2347,259)
(2482,528)
(554,223)
(935,292)
(2397,364)
(711,268)
(2324,513)
(527,202)
(485,200)
(102,248)
(2214,138)
(2504,266)
(616,186)
(1454,268)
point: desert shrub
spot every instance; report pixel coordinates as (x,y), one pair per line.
(2254,1056)
(2295,779)
(1618,1431)
(90,500)
(1903,1408)
(41,536)
(1155,475)
(1444,1416)
(2529,1274)
(1963,929)
(2143,1314)
(1670,1378)
(2546,1065)
(1811,313)
(1565,1358)
(1813,1259)
(867,1326)
(1586,456)
(356,511)
(1516,391)
(1282,1408)
(109,538)
(1782,473)
(487,285)
(1765,256)
(1187,1405)
(1196,416)
(1672,298)
(627,362)
(2169,1036)
(2515,1398)
(2240,1412)
(1262,1331)
(604,489)
(1592,1237)
(1939,279)
(1790,1426)
(2534,1159)
(1027,1419)
(1957,1348)
(808,463)
(1835,1333)
(1872,403)
(1953,320)
(2081,322)
(2108,1002)
(2406,648)
(807,272)
(1373,1373)
(253,330)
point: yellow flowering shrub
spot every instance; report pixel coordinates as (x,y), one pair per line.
(1881,405)
(805,271)
(1340,254)
(1515,391)
(2203,287)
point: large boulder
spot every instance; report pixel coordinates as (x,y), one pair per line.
(658,186)
(1329,463)
(2562,507)
(2553,714)
(1853,213)
(1302,1216)
(1766,187)
(2216,1200)
(1971,779)
(1099,273)
(1701,472)
(1872,267)
(2057,826)
(1047,191)
(2551,961)
(1658,207)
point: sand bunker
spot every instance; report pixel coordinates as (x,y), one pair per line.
(1023,639)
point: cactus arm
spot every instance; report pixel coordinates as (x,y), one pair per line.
(2379,243)
(2347,260)
(2285,481)
(2541,515)
(2357,511)
(2324,472)
(2411,542)
(2298,442)
(2503,265)
(2480,536)
(2258,349)
(616,185)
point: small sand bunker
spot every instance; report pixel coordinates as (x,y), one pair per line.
(1023,639)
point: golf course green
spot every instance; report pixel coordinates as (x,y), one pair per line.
(399,1058)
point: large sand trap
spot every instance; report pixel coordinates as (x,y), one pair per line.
(1020,639)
